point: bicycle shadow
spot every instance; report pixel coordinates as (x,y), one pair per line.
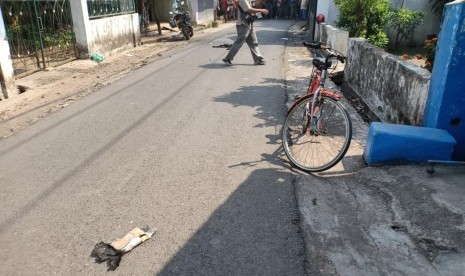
(278,158)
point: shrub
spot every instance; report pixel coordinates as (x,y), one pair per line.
(379,38)
(404,22)
(365,18)
(430,47)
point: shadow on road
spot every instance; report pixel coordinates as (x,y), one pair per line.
(267,98)
(255,232)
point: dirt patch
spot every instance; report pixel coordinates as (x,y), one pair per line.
(415,55)
(418,61)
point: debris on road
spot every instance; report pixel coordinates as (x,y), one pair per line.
(225,45)
(114,251)
(97,57)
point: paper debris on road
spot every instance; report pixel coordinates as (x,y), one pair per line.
(114,251)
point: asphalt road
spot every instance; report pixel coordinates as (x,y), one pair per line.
(184,145)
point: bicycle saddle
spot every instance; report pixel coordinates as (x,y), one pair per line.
(319,63)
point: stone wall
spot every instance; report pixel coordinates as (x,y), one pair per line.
(395,90)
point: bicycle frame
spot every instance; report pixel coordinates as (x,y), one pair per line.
(316,88)
(317,130)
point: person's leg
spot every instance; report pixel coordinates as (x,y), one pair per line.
(242,34)
(252,42)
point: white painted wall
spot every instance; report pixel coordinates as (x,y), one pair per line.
(203,10)
(334,37)
(110,35)
(329,10)
(106,35)
(6,66)
(81,26)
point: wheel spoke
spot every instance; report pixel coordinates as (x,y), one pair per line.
(321,147)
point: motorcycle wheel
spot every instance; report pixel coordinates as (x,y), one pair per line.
(185,32)
(191,31)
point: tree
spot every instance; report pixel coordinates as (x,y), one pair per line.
(404,22)
(365,18)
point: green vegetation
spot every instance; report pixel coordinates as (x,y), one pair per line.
(365,18)
(430,47)
(369,19)
(60,37)
(404,22)
(25,35)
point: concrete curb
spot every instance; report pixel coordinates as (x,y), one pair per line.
(393,220)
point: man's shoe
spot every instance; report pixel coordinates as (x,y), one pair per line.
(227,61)
(260,61)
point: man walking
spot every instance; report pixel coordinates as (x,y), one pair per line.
(246,33)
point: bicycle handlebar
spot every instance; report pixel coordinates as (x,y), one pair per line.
(313,45)
(334,53)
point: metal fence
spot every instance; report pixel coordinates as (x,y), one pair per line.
(39,33)
(103,8)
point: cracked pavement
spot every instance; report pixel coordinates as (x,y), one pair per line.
(390,220)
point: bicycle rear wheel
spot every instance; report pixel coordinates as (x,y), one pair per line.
(319,144)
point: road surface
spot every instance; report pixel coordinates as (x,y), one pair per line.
(185,145)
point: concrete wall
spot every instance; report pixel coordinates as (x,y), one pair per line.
(81,26)
(204,12)
(6,67)
(106,35)
(329,10)
(113,34)
(395,90)
(201,10)
(334,37)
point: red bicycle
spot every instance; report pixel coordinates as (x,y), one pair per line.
(318,130)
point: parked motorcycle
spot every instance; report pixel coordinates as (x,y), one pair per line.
(182,19)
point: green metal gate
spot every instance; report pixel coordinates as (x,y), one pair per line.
(39,33)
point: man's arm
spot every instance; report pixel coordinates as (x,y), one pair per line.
(255,10)
(246,7)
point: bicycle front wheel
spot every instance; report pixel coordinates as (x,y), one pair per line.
(317,143)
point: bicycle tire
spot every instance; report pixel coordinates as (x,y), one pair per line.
(185,32)
(327,145)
